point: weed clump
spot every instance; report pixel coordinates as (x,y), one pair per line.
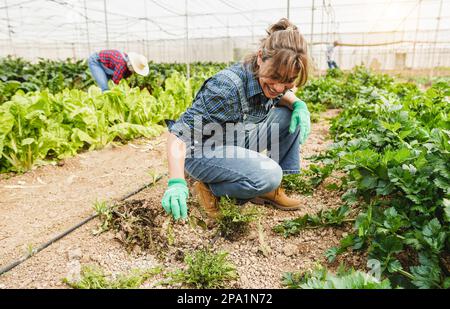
(206,269)
(135,224)
(234,221)
(93,277)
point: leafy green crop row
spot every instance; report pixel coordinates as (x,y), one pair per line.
(16,73)
(55,76)
(393,142)
(40,126)
(336,89)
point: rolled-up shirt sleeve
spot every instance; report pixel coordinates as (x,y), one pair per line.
(119,73)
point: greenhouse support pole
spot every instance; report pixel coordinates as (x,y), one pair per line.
(321,36)
(106,23)
(74,52)
(128,37)
(9,27)
(188,66)
(87,27)
(288,9)
(146,28)
(415,36)
(312,32)
(78,38)
(253,29)
(438,24)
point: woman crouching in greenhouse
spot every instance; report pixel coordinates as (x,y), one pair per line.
(238,113)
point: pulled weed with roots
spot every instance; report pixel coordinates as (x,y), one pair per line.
(234,221)
(136,224)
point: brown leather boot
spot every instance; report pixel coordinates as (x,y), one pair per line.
(279,199)
(207,200)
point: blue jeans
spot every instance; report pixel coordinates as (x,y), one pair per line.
(248,173)
(99,72)
(332,64)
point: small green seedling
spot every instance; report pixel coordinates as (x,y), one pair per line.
(205,269)
(93,277)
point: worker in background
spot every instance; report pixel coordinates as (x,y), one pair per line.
(115,65)
(330,55)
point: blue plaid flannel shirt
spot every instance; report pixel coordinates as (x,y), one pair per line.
(218,101)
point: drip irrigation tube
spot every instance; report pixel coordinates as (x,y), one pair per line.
(73,228)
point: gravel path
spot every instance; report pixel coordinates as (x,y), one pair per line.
(38,205)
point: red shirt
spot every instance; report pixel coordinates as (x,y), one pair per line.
(113,60)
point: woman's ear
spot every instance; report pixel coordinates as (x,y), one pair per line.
(259,60)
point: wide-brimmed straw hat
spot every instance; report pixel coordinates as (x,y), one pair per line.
(139,63)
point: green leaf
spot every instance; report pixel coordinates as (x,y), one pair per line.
(434,236)
(402,155)
(447,283)
(446,203)
(425,277)
(320,278)
(427,274)
(28,141)
(394,266)
(432,228)
(368,182)
(331,254)
(384,246)
(404,134)
(6,120)
(332,187)
(391,126)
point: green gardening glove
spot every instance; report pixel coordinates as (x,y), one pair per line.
(174,199)
(300,116)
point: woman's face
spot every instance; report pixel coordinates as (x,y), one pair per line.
(272,88)
(271,85)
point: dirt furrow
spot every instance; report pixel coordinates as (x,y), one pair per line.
(256,270)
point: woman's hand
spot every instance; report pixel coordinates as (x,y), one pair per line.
(174,199)
(300,114)
(300,117)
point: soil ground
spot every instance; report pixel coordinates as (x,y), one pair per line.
(40,204)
